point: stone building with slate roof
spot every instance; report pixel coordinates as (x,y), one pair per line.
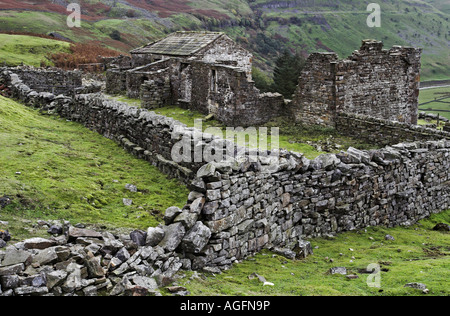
(203,71)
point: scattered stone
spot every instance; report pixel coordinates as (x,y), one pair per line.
(338,270)
(127,202)
(131,188)
(257,276)
(417,286)
(173,234)
(15,256)
(139,237)
(4,201)
(176,289)
(5,235)
(55,230)
(289,254)
(389,237)
(171,213)
(38,243)
(197,238)
(81,232)
(154,236)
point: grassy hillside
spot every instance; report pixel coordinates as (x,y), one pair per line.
(435,99)
(53,169)
(30,50)
(263,26)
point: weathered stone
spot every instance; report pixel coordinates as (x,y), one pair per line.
(131,188)
(145,282)
(9,282)
(55,230)
(14,256)
(206,171)
(55,278)
(46,256)
(197,238)
(30,290)
(170,214)
(187,219)
(123,255)
(138,237)
(338,270)
(173,234)
(127,202)
(154,236)
(13,269)
(197,206)
(80,232)
(94,267)
(73,281)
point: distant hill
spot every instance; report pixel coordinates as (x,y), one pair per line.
(265,27)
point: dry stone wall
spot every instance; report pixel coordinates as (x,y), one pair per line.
(383,132)
(55,81)
(239,207)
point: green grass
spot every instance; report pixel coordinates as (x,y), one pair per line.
(429,95)
(53,169)
(17,49)
(418,254)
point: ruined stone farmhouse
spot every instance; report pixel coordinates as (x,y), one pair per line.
(373,81)
(210,73)
(203,71)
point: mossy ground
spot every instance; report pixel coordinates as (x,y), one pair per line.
(54,169)
(418,254)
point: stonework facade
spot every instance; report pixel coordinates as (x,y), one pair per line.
(237,208)
(373,82)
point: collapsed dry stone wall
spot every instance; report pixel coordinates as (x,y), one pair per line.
(238,207)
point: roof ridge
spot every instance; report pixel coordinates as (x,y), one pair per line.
(178,45)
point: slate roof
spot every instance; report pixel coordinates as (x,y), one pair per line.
(180,44)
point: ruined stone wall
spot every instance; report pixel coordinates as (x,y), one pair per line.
(380,83)
(55,81)
(383,132)
(248,210)
(116,81)
(314,102)
(239,207)
(156,92)
(227,93)
(137,76)
(373,82)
